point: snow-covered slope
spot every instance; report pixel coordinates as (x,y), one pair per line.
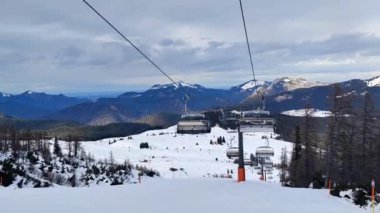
(169,196)
(288,84)
(374,82)
(278,85)
(251,85)
(192,155)
(175,86)
(4,95)
(302,113)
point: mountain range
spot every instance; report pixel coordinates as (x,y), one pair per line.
(168,100)
(34,105)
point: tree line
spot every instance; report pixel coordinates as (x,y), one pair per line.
(348,153)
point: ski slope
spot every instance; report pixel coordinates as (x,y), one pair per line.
(314,113)
(180,151)
(175,195)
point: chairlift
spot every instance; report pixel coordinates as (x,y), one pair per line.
(232,152)
(267,164)
(256,121)
(193,124)
(264,152)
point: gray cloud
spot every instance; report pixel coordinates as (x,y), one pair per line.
(61,46)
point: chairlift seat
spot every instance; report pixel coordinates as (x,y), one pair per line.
(232,152)
(256,124)
(264,152)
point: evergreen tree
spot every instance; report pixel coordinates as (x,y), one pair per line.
(341,110)
(368,140)
(297,145)
(283,165)
(57,149)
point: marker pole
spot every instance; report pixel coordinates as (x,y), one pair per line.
(373,195)
(241,169)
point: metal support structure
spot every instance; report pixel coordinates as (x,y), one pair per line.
(241,169)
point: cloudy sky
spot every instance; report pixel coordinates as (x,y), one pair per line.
(62,46)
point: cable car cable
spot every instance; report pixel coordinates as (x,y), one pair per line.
(246,36)
(131,43)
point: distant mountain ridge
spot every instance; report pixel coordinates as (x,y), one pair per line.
(34,105)
(318,96)
(278,85)
(168,100)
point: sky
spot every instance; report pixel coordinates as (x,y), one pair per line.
(63,47)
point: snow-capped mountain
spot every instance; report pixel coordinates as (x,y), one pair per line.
(373,82)
(251,85)
(277,86)
(4,95)
(167,98)
(289,84)
(33,105)
(176,86)
(317,95)
(282,94)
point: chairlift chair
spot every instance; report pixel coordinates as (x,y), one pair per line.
(256,121)
(264,152)
(232,152)
(193,124)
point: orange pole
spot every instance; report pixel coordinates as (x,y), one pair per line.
(373,199)
(241,168)
(373,195)
(241,174)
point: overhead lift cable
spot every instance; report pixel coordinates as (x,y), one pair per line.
(246,36)
(131,43)
(205,124)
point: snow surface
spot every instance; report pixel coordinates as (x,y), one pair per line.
(301,113)
(180,83)
(294,83)
(192,190)
(374,82)
(167,196)
(4,95)
(252,84)
(171,150)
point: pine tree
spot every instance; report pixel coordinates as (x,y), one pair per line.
(283,165)
(297,147)
(368,138)
(57,149)
(340,109)
(295,160)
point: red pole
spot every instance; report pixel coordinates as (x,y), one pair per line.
(241,169)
